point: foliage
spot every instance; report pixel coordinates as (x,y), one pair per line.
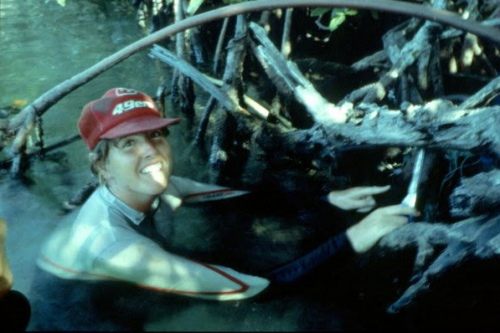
(337,15)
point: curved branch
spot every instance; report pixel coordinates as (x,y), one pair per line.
(51,97)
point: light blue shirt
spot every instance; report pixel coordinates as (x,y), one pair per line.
(102,244)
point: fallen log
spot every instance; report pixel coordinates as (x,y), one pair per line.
(288,78)
(476,195)
(437,124)
(220,152)
(188,70)
(441,248)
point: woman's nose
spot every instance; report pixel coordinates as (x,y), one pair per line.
(148,147)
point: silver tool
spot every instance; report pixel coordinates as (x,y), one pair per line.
(410,199)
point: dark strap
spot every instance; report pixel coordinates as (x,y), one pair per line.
(337,246)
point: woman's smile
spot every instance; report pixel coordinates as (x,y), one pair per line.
(152,168)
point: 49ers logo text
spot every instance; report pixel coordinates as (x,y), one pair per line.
(130,105)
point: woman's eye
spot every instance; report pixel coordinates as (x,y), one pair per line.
(155,134)
(128,143)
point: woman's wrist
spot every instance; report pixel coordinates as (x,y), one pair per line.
(361,238)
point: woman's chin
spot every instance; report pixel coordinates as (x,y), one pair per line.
(158,189)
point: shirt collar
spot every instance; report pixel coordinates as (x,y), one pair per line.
(133,215)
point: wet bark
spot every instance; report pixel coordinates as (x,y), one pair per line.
(218,48)
(189,71)
(476,195)
(232,86)
(182,87)
(440,249)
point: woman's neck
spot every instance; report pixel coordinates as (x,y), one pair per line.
(141,203)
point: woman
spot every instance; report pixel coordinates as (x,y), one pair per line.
(119,233)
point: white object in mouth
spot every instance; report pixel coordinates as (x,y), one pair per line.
(152,168)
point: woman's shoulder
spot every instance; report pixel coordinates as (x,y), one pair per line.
(69,250)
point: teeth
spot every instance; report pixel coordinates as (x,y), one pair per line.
(152,168)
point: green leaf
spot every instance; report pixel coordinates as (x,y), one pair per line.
(336,21)
(351,12)
(193,6)
(61,2)
(374,14)
(319,11)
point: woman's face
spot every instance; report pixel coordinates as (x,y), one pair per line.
(138,168)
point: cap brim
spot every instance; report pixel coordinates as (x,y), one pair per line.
(139,125)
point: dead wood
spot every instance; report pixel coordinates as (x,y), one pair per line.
(437,124)
(160,99)
(290,81)
(434,72)
(440,249)
(232,86)
(313,67)
(210,85)
(37,152)
(188,70)
(219,148)
(202,127)
(442,126)
(286,47)
(232,80)
(182,92)
(196,44)
(483,96)
(376,60)
(422,50)
(476,195)
(419,46)
(313,149)
(220,42)
(81,196)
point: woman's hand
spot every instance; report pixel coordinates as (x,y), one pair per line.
(377,224)
(359,198)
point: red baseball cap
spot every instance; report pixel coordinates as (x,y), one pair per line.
(120,112)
